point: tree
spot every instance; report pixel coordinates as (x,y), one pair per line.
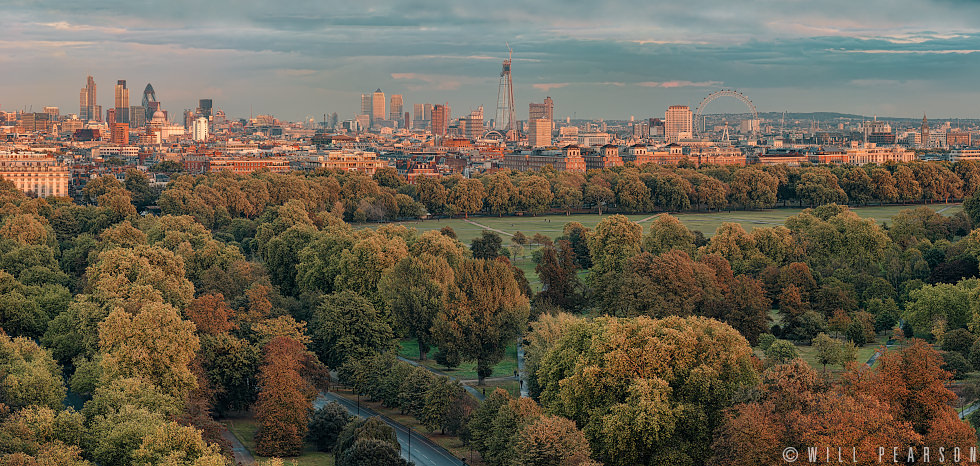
(754,189)
(818,186)
(557,270)
(938,302)
(347,327)
(500,193)
(486,310)
(28,375)
(634,409)
(433,194)
(667,233)
(133,277)
(615,240)
(552,441)
(326,423)
(487,246)
(828,350)
(415,292)
(907,186)
(781,351)
(959,341)
(155,344)
(378,444)
(231,365)
(210,314)
(172,444)
(534,194)
(467,196)
(285,397)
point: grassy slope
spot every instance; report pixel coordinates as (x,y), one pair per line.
(467,370)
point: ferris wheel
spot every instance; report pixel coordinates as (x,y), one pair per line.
(698,115)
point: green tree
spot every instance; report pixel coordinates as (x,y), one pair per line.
(667,233)
(486,310)
(487,246)
(28,375)
(500,193)
(326,423)
(155,344)
(347,327)
(534,194)
(753,189)
(467,196)
(781,352)
(415,292)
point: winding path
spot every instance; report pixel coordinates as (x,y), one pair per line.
(238,450)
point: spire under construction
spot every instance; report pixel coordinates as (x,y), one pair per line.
(505,99)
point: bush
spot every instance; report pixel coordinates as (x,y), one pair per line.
(326,424)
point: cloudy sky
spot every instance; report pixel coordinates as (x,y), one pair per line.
(597,59)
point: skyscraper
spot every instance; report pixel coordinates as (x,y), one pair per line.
(150,104)
(122,102)
(678,123)
(440,119)
(86,102)
(200,129)
(542,111)
(472,125)
(365,104)
(396,107)
(418,112)
(427,112)
(204,108)
(378,107)
(924,129)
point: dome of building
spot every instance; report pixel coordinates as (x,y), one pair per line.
(159,116)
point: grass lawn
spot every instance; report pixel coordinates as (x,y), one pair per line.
(706,222)
(467,370)
(245,428)
(511,386)
(809,354)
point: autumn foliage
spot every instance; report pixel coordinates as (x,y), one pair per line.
(285,398)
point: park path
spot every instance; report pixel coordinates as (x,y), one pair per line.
(521,373)
(242,455)
(502,232)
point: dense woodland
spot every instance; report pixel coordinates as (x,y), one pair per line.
(126,335)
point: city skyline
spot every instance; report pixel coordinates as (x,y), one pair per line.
(896,59)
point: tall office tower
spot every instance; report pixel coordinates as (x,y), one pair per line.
(542,111)
(378,107)
(204,108)
(427,112)
(417,111)
(122,102)
(200,130)
(333,119)
(408,120)
(440,120)
(539,132)
(678,123)
(86,102)
(150,104)
(137,116)
(504,118)
(924,130)
(53,111)
(365,104)
(396,107)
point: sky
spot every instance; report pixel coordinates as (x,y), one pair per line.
(607,59)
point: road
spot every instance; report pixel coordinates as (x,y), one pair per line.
(423,451)
(242,456)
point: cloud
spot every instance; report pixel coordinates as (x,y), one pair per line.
(548,86)
(675,84)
